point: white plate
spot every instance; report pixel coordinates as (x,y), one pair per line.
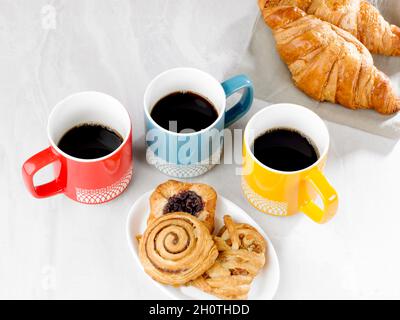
(264,285)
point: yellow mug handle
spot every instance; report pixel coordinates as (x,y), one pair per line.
(328,195)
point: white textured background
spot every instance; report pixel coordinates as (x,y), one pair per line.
(56,248)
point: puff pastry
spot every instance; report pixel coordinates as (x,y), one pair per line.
(358,17)
(328,63)
(176,248)
(241,256)
(195,198)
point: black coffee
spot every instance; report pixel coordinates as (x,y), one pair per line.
(90,141)
(189,110)
(285,150)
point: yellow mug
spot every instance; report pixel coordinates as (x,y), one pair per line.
(283,193)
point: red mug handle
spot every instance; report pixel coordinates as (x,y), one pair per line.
(36,163)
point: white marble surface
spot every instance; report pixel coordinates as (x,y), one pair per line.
(57,249)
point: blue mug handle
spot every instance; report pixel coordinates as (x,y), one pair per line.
(233,85)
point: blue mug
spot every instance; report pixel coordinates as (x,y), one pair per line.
(191,154)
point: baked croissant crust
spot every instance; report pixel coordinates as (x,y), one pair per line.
(195,198)
(328,63)
(241,256)
(358,17)
(176,248)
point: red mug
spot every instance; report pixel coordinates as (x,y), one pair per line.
(91,181)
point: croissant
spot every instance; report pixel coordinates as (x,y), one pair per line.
(174,196)
(241,256)
(176,248)
(358,17)
(328,63)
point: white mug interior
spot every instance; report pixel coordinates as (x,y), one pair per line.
(184,80)
(288,116)
(87,107)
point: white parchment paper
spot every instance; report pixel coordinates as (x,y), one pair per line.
(273,83)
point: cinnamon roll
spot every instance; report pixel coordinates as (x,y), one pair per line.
(176,248)
(241,256)
(197,199)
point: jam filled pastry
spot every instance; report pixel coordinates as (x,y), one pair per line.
(328,63)
(241,256)
(176,248)
(197,199)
